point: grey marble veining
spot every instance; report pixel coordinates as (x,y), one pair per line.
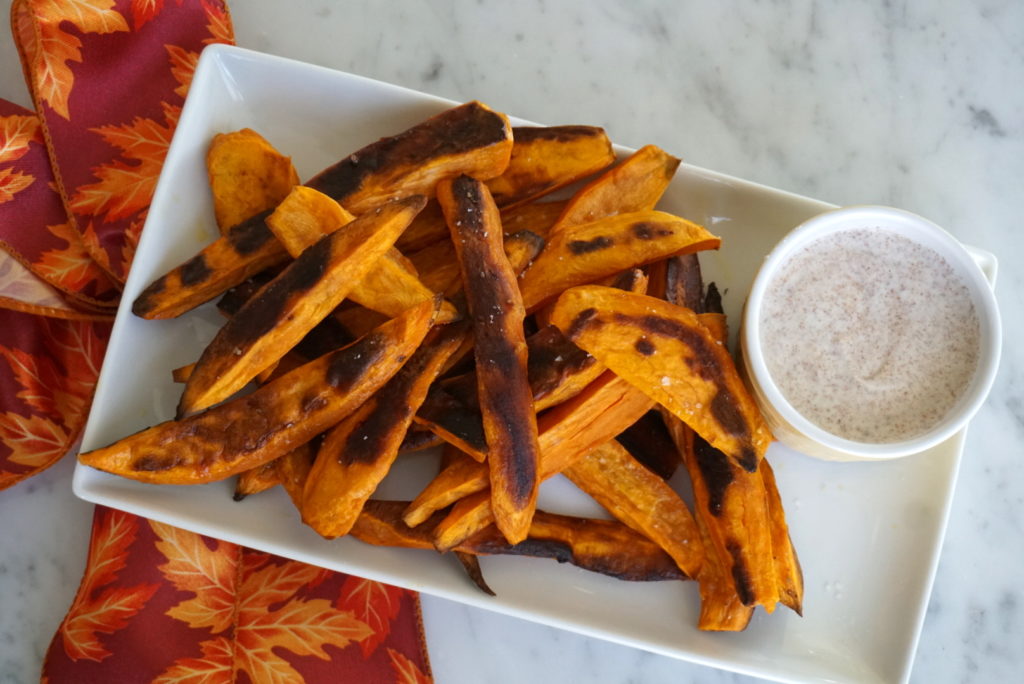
(916,105)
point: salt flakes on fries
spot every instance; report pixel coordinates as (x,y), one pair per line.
(527,335)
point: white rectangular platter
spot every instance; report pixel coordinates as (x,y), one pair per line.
(868,535)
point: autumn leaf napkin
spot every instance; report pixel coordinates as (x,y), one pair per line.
(156,604)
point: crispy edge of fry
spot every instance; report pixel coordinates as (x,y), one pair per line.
(636,184)
(587,252)
(277,317)
(256,480)
(639,498)
(357,453)
(646,341)
(496,311)
(247,175)
(271,421)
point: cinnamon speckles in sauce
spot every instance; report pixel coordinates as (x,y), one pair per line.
(869,335)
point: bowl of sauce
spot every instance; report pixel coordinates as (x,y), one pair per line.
(869,333)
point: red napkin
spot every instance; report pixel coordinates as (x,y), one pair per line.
(156,604)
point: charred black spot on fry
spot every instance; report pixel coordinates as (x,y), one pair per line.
(195,270)
(455,131)
(724,409)
(644,346)
(152,463)
(716,470)
(713,299)
(455,418)
(418,438)
(146,301)
(627,280)
(348,365)
(596,244)
(740,574)
(685,285)
(582,320)
(551,358)
(647,230)
(260,314)
(650,443)
(251,234)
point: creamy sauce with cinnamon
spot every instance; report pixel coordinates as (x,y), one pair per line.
(869,335)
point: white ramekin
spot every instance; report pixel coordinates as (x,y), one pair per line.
(796,431)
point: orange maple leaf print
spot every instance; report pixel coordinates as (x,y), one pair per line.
(183,66)
(80,350)
(71,268)
(124,188)
(12,182)
(144,10)
(16,132)
(218,23)
(56,47)
(112,609)
(208,573)
(261,605)
(214,667)
(406,671)
(375,604)
(34,440)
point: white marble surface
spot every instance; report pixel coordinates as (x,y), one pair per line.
(916,105)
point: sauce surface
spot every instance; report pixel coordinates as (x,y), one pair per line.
(869,335)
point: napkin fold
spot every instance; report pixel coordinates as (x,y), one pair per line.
(156,604)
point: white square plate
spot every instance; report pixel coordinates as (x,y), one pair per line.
(868,535)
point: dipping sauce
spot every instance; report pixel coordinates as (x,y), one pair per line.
(871,336)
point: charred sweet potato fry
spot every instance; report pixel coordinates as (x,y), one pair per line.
(247,176)
(634,185)
(545,159)
(256,480)
(305,216)
(419,438)
(496,312)
(666,353)
(271,421)
(470,139)
(604,546)
(358,452)
(585,253)
(247,248)
(639,498)
(292,304)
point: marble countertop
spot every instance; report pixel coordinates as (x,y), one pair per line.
(914,105)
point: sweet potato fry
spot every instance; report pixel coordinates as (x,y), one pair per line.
(789,575)
(666,353)
(247,176)
(604,546)
(585,253)
(305,216)
(496,311)
(358,452)
(639,498)
(256,480)
(470,139)
(245,250)
(545,159)
(271,421)
(417,439)
(292,304)
(634,185)
(427,229)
